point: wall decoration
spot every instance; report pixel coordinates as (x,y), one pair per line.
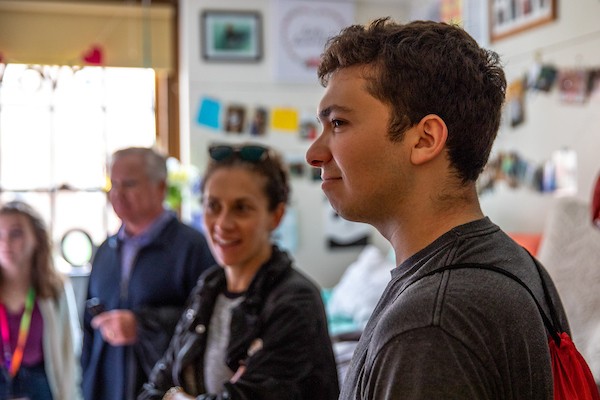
(297,169)
(308,129)
(557,175)
(301,31)
(258,123)
(284,119)
(231,35)
(594,85)
(93,56)
(297,166)
(309,126)
(509,168)
(451,11)
(235,118)
(208,113)
(573,85)
(541,77)
(508,17)
(515,102)
(565,172)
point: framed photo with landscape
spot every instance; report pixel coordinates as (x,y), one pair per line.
(231,36)
(508,17)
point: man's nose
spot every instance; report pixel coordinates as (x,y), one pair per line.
(317,153)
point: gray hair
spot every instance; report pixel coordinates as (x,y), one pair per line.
(155,163)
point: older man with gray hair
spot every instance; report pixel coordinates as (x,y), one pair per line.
(140,279)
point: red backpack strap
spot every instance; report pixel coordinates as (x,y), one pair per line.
(572,376)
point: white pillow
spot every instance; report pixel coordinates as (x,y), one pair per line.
(359,289)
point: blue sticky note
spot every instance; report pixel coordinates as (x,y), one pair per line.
(208,114)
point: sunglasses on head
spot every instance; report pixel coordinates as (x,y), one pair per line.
(251,153)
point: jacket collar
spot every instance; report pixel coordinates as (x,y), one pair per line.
(269,274)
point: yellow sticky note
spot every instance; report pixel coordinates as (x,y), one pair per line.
(284,119)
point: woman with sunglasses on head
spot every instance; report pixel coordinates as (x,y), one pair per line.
(38,317)
(255,327)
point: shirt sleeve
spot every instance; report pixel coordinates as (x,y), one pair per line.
(427,363)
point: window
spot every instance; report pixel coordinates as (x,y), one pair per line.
(58,127)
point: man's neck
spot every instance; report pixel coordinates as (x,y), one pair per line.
(136,228)
(419,226)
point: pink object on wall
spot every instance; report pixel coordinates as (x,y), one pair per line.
(94,56)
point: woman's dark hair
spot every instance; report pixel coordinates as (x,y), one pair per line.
(271,166)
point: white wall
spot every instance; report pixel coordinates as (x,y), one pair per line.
(573,40)
(549,124)
(254,84)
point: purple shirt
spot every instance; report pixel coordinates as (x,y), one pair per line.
(33,353)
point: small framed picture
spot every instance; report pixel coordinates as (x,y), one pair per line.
(231,36)
(508,17)
(258,124)
(235,119)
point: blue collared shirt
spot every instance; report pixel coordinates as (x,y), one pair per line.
(131,245)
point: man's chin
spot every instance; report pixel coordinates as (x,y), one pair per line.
(122,214)
(340,209)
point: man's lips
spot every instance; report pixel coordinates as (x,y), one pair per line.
(329,177)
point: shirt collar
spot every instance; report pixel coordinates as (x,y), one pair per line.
(150,233)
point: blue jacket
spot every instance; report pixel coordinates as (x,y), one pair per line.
(163,275)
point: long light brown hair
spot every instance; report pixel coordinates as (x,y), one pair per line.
(45,279)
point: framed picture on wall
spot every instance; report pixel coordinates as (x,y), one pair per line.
(231,36)
(508,17)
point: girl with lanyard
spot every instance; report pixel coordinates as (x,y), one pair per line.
(38,317)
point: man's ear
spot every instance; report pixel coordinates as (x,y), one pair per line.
(162,189)
(431,134)
(163,186)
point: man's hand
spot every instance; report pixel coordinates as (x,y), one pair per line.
(118,327)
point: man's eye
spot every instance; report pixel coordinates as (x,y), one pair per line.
(336,123)
(129,184)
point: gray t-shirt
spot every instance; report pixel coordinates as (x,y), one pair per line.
(216,372)
(459,334)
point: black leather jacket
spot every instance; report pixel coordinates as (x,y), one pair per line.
(283,311)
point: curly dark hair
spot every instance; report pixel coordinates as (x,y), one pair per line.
(272,167)
(422,68)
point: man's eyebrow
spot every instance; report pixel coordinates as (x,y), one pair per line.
(324,113)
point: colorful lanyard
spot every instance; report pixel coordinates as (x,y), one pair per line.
(13,363)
